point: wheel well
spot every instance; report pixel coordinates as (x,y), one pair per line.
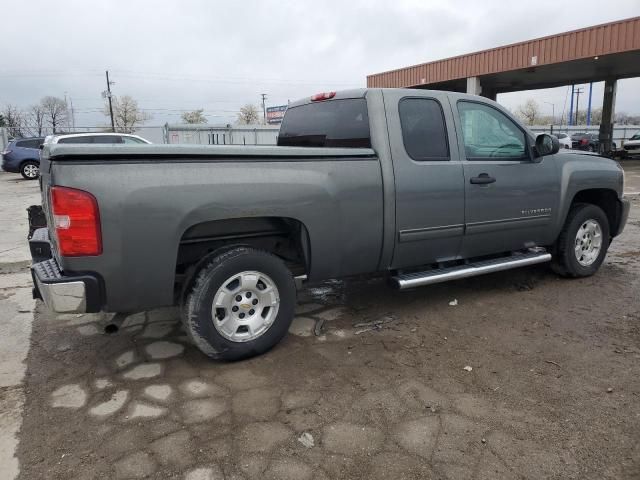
(28,160)
(286,238)
(604,198)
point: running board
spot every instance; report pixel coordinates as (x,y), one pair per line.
(418,279)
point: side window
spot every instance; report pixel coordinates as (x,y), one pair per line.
(490,134)
(34,143)
(423,129)
(132,140)
(76,140)
(107,139)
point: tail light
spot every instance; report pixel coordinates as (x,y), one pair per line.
(76,221)
(584,141)
(319,97)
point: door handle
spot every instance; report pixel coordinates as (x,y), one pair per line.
(482,179)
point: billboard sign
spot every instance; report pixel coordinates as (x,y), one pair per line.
(276,114)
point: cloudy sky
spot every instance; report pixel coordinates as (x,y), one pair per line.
(188,54)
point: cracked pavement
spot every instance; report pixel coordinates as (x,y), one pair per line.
(370,383)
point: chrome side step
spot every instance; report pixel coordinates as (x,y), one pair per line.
(418,279)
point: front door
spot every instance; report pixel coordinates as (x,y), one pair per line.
(429,180)
(511,196)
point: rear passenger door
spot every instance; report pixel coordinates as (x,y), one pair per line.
(428,178)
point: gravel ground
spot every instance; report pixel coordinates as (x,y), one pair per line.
(528,376)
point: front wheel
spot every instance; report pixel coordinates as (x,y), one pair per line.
(241,304)
(29,170)
(583,242)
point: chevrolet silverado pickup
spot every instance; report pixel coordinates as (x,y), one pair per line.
(426,186)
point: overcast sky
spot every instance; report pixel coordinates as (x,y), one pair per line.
(188,54)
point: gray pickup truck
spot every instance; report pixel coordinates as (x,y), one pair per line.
(427,186)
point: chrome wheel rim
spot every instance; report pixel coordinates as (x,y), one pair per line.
(31,171)
(588,242)
(245,306)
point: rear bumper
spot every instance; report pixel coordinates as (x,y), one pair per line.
(9,166)
(62,293)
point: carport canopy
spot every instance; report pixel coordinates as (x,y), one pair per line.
(606,52)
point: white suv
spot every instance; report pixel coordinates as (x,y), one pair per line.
(96,138)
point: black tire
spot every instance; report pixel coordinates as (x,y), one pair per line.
(591,148)
(564,261)
(197,314)
(27,168)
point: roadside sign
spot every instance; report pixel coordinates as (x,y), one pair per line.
(276,114)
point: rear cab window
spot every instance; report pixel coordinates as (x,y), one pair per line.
(333,123)
(424,131)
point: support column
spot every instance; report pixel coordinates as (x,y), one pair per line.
(473,86)
(608,112)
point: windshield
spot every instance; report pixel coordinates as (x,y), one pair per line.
(636,136)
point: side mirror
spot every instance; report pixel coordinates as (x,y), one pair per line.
(547,145)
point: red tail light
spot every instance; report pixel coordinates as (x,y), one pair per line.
(76,220)
(584,141)
(318,97)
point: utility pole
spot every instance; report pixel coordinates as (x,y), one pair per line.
(113,125)
(73,115)
(264,110)
(579,90)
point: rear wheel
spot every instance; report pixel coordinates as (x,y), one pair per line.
(30,170)
(583,242)
(241,304)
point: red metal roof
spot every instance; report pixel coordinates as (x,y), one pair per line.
(609,38)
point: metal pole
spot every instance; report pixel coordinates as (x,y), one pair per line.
(573,88)
(113,125)
(589,106)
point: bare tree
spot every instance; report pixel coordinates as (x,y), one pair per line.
(55,112)
(14,120)
(37,119)
(197,116)
(248,115)
(126,114)
(529,112)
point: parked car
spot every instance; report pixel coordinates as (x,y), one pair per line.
(587,141)
(96,138)
(23,156)
(427,186)
(632,146)
(564,139)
